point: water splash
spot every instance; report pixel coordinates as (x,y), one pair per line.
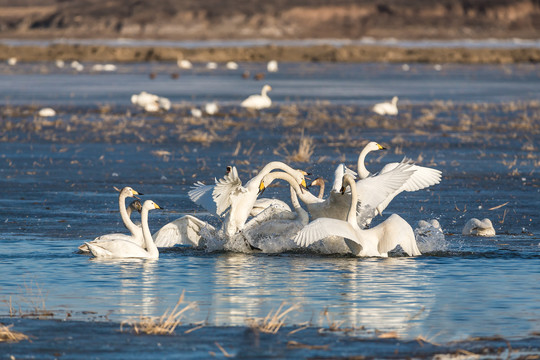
(430,237)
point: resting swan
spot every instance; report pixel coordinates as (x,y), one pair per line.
(479,227)
(387,108)
(421,178)
(377,241)
(257,101)
(128,249)
(135,230)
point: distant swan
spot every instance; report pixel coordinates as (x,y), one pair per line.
(150,102)
(135,230)
(126,248)
(479,227)
(377,241)
(258,101)
(272,66)
(421,178)
(47,112)
(387,108)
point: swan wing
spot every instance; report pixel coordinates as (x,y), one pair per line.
(183,231)
(323,228)
(201,194)
(226,188)
(381,189)
(117,248)
(103,238)
(396,231)
(422,177)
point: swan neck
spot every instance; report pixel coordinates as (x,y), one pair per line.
(263,92)
(151,247)
(125,215)
(274,165)
(351,217)
(321,190)
(362,171)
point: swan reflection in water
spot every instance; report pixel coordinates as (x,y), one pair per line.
(135,292)
(385,294)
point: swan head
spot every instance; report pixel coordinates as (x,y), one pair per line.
(150,205)
(348,179)
(134,98)
(136,205)
(266,88)
(129,192)
(395,100)
(374,146)
(479,227)
(317,182)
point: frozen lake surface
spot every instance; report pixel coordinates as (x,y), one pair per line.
(479,125)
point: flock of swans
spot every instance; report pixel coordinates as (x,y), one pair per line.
(339,222)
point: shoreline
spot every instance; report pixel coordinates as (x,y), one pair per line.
(314,53)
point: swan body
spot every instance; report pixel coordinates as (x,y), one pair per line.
(77,65)
(60,63)
(211,65)
(479,227)
(183,231)
(387,108)
(47,112)
(128,249)
(197,113)
(150,102)
(421,178)
(258,102)
(12,61)
(377,241)
(136,235)
(272,66)
(211,108)
(184,64)
(231,65)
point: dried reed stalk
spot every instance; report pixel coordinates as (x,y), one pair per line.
(7,335)
(163,325)
(272,322)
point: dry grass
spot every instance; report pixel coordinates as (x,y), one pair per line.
(163,325)
(8,335)
(305,150)
(272,322)
(29,304)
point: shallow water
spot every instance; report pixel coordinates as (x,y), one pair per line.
(484,136)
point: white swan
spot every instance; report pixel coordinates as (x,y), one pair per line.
(182,231)
(229,193)
(387,108)
(377,241)
(12,61)
(47,112)
(150,102)
(479,227)
(370,191)
(272,66)
(272,231)
(231,65)
(136,235)
(422,177)
(211,108)
(128,249)
(184,64)
(258,101)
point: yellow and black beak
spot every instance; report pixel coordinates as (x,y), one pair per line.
(381,147)
(303,185)
(261,188)
(342,190)
(156,206)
